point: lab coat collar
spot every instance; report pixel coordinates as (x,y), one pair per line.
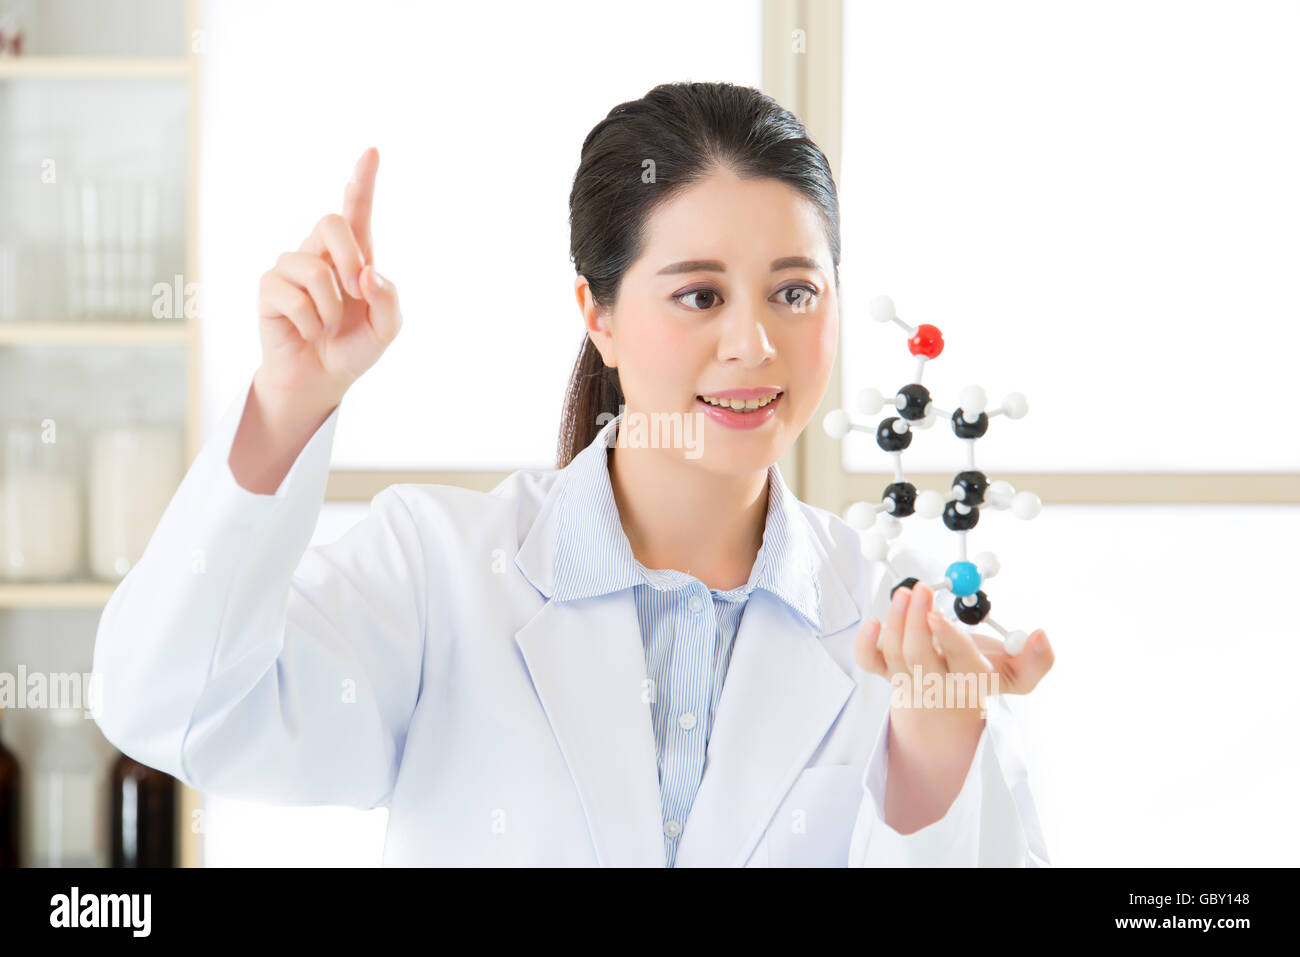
(782,694)
(580,518)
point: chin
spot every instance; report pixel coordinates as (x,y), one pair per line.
(738,454)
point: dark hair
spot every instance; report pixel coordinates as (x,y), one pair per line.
(689,130)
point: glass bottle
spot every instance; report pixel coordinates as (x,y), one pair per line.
(10,803)
(41,511)
(142,816)
(67,794)
(135,466)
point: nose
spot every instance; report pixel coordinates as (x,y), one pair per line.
(743,337)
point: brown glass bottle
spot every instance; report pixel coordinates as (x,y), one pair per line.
(10,789)
(143,816)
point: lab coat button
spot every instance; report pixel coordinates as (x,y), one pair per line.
(672,828)
(686,720)
(697,604)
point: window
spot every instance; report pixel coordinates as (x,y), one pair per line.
(479,118)
(1096,203)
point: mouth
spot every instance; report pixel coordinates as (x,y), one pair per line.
(741,412)
(737,403)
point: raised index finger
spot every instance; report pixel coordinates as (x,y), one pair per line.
(359,197)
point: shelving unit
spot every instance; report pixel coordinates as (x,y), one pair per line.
(55,594)
(148,34)
(159,332)
(75,67)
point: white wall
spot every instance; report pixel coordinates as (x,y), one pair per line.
(479,119)
(1097,204)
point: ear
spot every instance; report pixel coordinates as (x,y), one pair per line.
(597,321)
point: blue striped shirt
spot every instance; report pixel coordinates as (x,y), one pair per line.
(687,628)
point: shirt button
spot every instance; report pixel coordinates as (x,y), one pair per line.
(697,604)
(672,828)
(686,720)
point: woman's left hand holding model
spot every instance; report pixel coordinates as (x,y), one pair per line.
(931,746)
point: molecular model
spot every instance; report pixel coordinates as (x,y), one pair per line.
(970,489)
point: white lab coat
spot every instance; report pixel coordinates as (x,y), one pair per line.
(417,664)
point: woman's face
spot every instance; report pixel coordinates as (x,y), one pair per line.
(734,290)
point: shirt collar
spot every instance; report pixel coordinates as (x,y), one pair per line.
(593,556)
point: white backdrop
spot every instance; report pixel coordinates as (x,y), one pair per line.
(1096,201)
(479,120)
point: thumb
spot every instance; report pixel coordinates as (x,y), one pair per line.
(1036,659)
(381,296)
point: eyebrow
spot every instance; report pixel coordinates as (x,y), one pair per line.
(713,265)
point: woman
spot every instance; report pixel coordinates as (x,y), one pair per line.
(536,675)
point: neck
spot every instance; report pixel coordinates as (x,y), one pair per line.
(679,516)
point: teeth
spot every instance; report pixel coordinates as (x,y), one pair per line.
(741,405)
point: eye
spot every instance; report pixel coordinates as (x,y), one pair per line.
(802,302)
(696,292)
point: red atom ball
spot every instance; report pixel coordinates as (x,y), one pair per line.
(927,342)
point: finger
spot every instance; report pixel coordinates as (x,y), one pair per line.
(989,645)
(960,652)
(1034,661)
(315,276)
(865,651)
(280,298)
(359,199)
(918,640)
(385,311)
(333,237)
(890,641)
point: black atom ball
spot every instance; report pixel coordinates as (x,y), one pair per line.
(973,614)
(905,583)
(973,486)
(969,430)
(915,398)
(888,439)
(904,496)
(956,521)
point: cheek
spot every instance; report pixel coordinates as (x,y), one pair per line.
(654,354)
(829,339)
(814,350)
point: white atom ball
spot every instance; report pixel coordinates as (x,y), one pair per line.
(874,546)
(888,526)
(882,309)
(929,504)
(973,400)
(836,423)
(988,564)
(1016,642)
(1026,505)
(870,401)
(1015,405)
(999,494)
(860,515)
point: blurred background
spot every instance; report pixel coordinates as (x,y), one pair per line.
(1095,201)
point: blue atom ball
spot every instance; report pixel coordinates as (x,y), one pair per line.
(965,577)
